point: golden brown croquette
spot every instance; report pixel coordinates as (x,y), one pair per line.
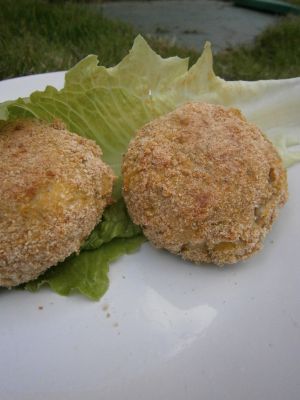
(204,183)
(53,190)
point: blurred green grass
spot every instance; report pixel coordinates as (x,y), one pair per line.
(274,54)
(38,36)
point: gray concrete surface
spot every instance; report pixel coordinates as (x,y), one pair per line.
(192,22)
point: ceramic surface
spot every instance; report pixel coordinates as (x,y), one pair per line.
(166,329)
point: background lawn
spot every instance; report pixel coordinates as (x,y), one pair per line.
(40,36)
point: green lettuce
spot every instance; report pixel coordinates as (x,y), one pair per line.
(115,224)
(108,105)
(86,273)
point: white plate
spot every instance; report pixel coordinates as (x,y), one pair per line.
(166,329)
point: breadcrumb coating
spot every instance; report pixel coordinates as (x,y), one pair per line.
(204,183)
(54,187)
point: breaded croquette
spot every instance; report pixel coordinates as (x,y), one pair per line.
(204,183)
(54,188)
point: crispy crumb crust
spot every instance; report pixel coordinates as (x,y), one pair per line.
(54,187)
(204,183)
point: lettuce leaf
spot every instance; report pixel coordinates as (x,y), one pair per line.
(115,224)
(110,104)
(86,273)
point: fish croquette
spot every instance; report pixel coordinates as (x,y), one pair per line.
(54,188)
(204,183)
